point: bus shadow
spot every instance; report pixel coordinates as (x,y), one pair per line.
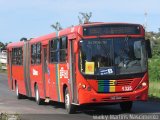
(138,108)
(99,110)
(56,105)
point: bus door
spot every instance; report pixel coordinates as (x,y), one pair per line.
(46,71)
(72,60)
(10,81)
(26,65)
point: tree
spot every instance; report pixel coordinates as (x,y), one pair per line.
(57,26)
(85,17)
(2,46)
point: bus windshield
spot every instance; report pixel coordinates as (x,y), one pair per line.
(112,56)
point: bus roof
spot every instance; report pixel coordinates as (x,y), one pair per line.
(107,23)
(17,44)
(74,29)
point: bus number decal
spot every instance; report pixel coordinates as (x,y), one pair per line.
(35,72)
(63,73)
(127,88)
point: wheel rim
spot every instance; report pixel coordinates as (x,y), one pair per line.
(17,90)
(37,94)
(67,100)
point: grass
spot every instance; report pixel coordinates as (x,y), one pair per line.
(154,77)
(3,71)
(5,116)
(154,89)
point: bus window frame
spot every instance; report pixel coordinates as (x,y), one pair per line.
(16,56)
(53,50)
(63,49)
(58,50)
(36,54)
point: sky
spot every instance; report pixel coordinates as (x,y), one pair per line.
(33,18)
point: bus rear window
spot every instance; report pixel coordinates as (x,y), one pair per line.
(111,30)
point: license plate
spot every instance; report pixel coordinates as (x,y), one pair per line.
(116,98)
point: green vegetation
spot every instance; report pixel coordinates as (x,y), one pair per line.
(154,65)
(2,71)
(154,90)
(154,77)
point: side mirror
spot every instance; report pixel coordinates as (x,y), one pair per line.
(148,48)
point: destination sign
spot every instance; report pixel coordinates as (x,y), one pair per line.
(113,29)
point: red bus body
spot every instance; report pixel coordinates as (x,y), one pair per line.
(58,76)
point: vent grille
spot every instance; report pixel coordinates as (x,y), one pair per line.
(114,82)
(111,86)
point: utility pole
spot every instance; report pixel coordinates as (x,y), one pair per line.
(145,20)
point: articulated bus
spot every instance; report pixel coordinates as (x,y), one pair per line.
(88,64)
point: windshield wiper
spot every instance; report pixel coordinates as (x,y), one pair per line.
(126,59)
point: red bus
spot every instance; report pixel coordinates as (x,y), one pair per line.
(86,64)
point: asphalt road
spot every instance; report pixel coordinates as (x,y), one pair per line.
(29,110)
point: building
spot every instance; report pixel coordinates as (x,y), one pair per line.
(3,59)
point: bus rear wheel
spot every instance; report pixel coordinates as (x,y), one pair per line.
(39,101)
(126,106)
(68,106)
(19,96)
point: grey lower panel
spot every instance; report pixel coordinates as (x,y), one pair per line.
(26,64)
(72,74)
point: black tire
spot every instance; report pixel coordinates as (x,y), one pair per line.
(19,96)
(126,106)
(71,109)
(39,101)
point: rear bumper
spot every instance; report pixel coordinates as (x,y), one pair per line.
(91,97)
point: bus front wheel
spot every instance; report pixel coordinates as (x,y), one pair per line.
(19,96)
(39,101)
(126,106)
(68,106)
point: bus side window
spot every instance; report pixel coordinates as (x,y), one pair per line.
(17,56)
(54,51)
(63,49)
(13,61)
(20,55)
(33,54)
(36,53)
